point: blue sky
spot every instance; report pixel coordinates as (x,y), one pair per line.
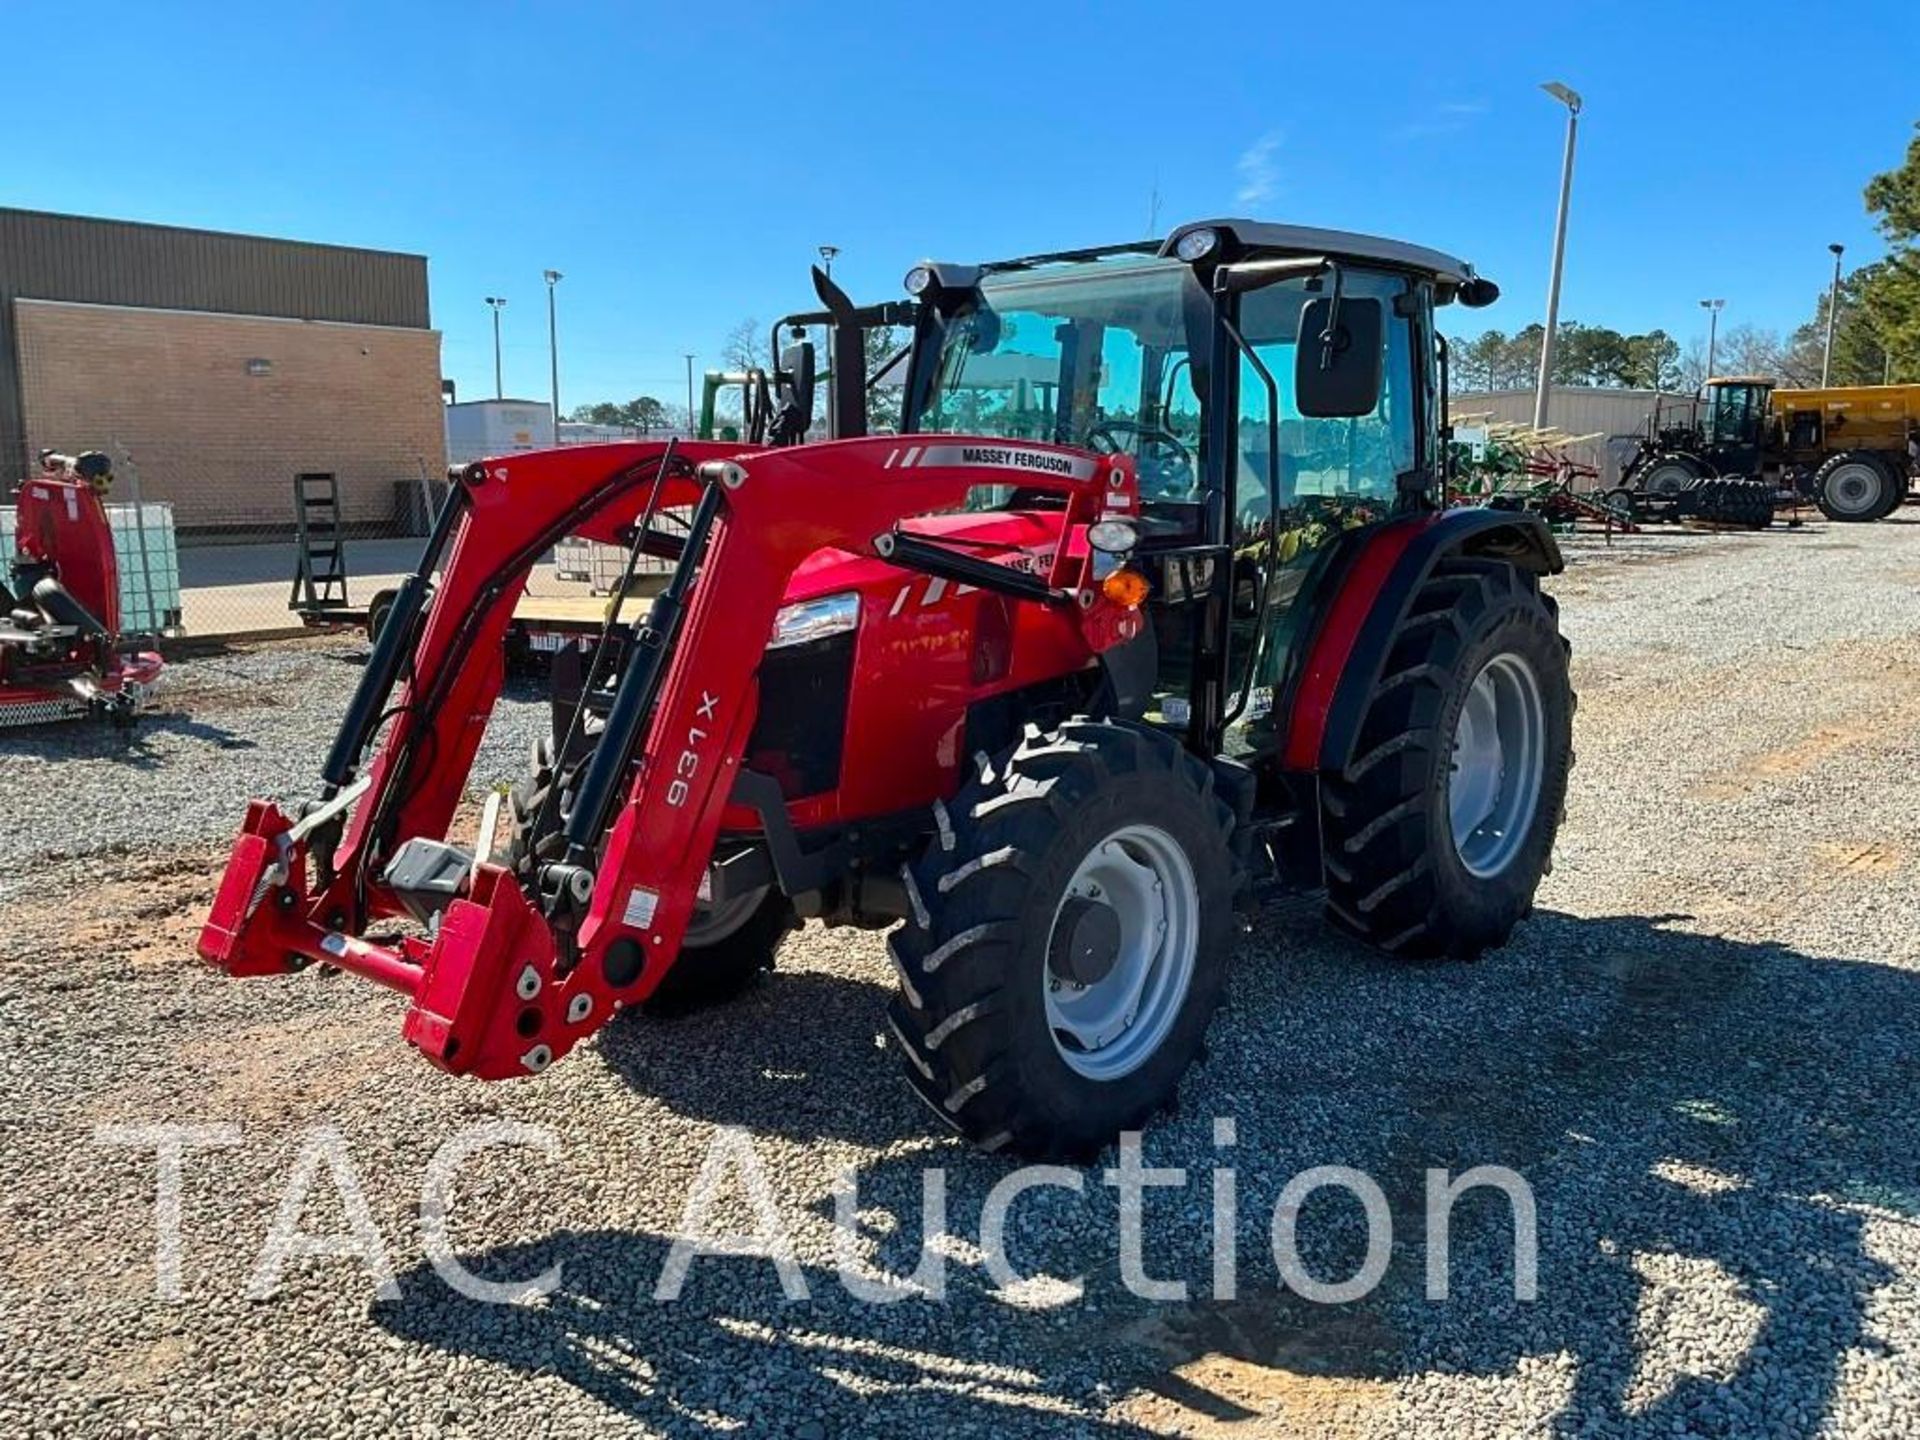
(680,163)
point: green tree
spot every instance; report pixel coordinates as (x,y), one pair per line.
(1860,354)
(643,413)
(1889,298)
(601,412)
(647,414)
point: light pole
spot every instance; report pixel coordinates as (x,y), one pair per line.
(827,252)
(690,424)
(497,303)
(1713,308)
(553,278)
(1833,312)
(1571,100)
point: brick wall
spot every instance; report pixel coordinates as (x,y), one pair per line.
(220,411)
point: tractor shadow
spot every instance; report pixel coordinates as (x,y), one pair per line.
(1692,1109)
(1689,1109)
(731,1355)
(804,1040)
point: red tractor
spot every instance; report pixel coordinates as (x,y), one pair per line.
(61,652)
(1150,607)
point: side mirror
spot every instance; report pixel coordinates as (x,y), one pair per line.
(793,400)
(1338,375)
(1477,292)
(796,378)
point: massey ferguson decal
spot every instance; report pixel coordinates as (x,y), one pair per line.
(994,457)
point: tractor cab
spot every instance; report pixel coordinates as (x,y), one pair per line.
(1277,387)
(1736,413)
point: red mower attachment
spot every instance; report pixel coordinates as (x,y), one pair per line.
(61,653)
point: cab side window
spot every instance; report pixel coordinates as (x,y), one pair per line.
(1323,460)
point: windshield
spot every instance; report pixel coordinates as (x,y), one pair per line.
(1099,355)
(1092,354)
(1733,414)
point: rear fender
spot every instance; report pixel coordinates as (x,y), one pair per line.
(1366,607)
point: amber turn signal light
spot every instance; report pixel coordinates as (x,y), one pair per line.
(1125,587)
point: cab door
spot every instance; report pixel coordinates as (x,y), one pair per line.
(1300,482)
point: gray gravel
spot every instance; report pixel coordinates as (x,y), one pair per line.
(1700,1053)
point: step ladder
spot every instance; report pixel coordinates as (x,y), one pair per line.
(320,573)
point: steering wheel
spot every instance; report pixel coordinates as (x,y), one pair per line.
(1173,466)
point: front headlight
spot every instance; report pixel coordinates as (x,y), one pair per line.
(807,620)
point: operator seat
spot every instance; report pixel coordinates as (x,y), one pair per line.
(60,608)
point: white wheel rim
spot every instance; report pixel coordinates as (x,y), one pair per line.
(1499,757)
(1115,1025)
(1853,489)
(1668,479)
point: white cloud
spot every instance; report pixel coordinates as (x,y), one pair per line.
(1449,117)
(1259,175)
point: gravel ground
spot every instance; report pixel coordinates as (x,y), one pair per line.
(1699,1054)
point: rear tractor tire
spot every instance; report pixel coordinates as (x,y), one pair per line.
(1438,832)
(1853,486)
(726,948)
(1069,937)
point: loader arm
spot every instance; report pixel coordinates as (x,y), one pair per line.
(512,978)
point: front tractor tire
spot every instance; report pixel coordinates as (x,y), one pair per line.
(1438,832)
(1069,937)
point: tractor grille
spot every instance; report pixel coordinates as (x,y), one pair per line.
(801,729)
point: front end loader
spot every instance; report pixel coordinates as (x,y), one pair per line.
(1149,609)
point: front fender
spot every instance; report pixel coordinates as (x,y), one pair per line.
(1367,606)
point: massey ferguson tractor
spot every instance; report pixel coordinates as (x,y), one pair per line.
(1148,609)
(61,652)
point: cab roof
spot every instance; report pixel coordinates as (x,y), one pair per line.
(1266,236)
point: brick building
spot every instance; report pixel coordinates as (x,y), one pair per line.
(221,364)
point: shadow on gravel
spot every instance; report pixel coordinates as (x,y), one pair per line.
(783,1061)
(1701,1111)
(84,739)
(732,1353)
(1710,1111)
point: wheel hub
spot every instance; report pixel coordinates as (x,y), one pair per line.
(1086,942)
(1853,488)
(1499,756)
(1121,952)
